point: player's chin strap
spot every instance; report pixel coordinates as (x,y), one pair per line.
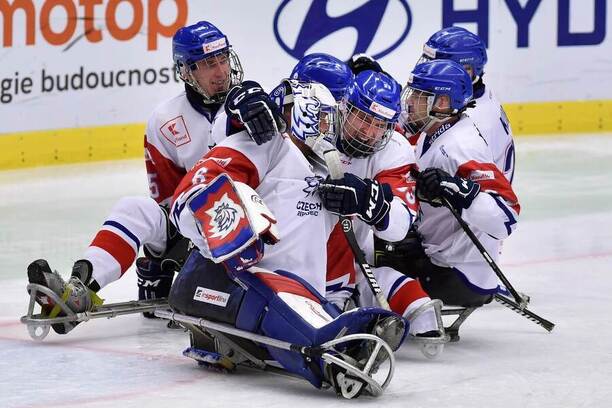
(350,377)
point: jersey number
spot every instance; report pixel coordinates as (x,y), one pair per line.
(153,185)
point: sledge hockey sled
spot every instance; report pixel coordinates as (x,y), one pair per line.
(240,347)
(38,324)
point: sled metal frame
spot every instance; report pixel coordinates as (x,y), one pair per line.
(38,324)
(373,387)
(462,314)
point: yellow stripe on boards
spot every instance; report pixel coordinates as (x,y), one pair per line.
(554,118)
(42,148)
(63,146)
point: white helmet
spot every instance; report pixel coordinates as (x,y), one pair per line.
(314,115)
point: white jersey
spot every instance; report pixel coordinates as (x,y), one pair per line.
(462,151)
(392,165)
(177,137)
(490,118)
(286,182)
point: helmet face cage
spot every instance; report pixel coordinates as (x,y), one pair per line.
(362,133)
(416,108)
(234,76)
(328,122)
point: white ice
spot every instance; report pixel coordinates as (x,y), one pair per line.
(560,255)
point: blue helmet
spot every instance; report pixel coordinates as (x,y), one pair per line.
(426,84)
(202,41)
(324,69)
(459,45)
(368,113)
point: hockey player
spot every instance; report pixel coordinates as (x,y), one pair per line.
(371,99)
(457,169)
(377,162)
(466,48)
(179,132)
(244,206)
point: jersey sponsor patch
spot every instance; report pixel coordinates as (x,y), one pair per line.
(211,296)
(497,184)
(175,131)
(479,175)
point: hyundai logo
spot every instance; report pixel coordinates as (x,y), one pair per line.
(301,29)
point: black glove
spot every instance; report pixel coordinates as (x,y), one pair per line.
(153,282)
(351,195)
(434,184)
(362,62)
(177,248)
(401,255)
(252,106)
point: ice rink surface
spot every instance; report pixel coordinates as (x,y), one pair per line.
(561,255)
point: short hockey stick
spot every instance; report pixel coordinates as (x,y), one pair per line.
(522,303)
(548,325)
(520,306)
(466,228)
(334,166)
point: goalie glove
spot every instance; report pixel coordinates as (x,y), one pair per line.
(233,221)
(435,184)
(254,108)
(351,195)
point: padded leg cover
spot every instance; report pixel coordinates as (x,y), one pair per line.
(277,304)
(203,289)
(296,313)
